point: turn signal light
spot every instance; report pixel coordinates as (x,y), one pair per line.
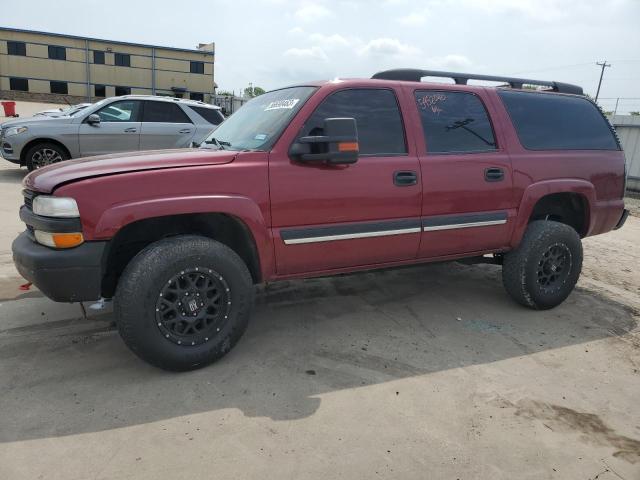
(348,146)
(59,240)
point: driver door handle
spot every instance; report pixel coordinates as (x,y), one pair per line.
(185,130)
(130,130)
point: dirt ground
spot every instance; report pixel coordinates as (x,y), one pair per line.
(423,372)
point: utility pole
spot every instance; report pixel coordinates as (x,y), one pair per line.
(603,65)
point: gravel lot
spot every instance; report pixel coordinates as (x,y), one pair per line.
(424,372)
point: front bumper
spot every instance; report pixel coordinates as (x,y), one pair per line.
(72,275)
(9,150)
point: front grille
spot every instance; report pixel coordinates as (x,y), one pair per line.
(29,195)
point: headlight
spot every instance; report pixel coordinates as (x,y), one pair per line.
(50,206)
(15,131)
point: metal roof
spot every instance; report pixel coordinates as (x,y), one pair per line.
(117,42)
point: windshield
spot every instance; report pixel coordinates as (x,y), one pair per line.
(259,123)
(74,109)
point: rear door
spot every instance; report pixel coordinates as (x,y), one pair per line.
(165,125)
(118,130)
(466,174)
(329,217)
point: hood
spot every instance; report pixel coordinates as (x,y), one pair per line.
(46,179)
(36,120)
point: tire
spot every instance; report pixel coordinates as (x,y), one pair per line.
(544,269)
(147,304)
(43,154)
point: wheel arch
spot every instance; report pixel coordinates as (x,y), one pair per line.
(34,142)
(568,201)
(135,236)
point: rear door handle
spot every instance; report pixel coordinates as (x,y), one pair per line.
(494,174)
(185,130)
(130,130)
(405,178)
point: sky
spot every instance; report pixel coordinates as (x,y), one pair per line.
(273,43)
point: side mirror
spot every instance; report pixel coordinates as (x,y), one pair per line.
(93,119)
(337,146)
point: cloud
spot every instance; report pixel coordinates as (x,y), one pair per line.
(388,47)
(296,31)
(312,12)
(452,61)
(413,19)
(315,53)
(546,10)
(335,40)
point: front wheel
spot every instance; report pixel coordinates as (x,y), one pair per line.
(183,302)
(544,269)
(43,154)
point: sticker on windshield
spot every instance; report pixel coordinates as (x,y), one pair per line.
(282,104)
(260,136)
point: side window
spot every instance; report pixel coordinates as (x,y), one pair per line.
(197,67)
(454,122)
(547,121)
(122,59)
(17,48)
(378,119)
(57,53)
(120,91)
(98,57)
(164,112)
(124,111)
(59,87)
(211,115)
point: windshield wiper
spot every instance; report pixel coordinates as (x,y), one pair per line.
(219,143)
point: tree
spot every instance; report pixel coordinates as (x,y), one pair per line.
(252,91)
(224,93)
(635,114)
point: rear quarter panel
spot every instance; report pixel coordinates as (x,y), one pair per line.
(597,175)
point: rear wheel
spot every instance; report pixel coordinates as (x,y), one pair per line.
(183,302)
(43,154)
(544,269)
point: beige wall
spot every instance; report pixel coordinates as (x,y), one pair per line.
(172,66)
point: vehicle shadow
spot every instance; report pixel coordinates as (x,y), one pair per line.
(307,338)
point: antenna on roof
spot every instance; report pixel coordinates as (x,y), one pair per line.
(415,75)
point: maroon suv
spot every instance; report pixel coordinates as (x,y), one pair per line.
(324,178)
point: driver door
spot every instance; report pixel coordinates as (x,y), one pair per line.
(327,217)
(118,130)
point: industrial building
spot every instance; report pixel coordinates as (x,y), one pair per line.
(49,66)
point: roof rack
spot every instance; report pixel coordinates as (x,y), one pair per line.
(415,75)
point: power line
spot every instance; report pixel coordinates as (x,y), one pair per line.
(603,65)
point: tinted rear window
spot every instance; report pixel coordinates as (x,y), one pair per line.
(557,122)
(211,115)
(163,112)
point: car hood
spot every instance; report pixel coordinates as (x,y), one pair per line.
(46,179)
(36,121)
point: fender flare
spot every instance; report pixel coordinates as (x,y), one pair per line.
(240,207)
(534,192)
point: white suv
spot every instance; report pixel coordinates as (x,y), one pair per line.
(117,124)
